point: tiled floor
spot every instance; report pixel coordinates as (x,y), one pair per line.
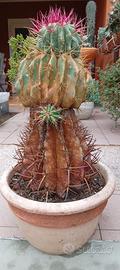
(95,255)
(102,127)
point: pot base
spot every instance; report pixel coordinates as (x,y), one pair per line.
(58,241)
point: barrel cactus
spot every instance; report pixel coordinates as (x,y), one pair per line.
(56,154)
(53,72)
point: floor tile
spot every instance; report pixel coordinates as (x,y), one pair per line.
(7,153)
(107,127)
(96,255)
(110,155)
(110,235)
(96,132)
(10,232)
(114,139)
(110,218)
(8,127)
(14,138)
(4,135)
(6,216)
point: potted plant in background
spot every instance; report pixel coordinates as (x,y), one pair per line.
(92,98)
(109,36)
(114,21)
(110,90)
(4,95)
(58,189)
(89,52)
(19,47)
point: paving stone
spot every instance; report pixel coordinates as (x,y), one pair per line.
(6,216)
(110,218)
(110,235)
(10,233)
(95,255)
(7,153)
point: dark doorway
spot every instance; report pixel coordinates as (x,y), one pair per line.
(23,31)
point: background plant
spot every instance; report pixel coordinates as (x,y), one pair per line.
(19,46)
(91,18)
(114,18)
(103,33)
(113,26)
(93,93)
(110,89)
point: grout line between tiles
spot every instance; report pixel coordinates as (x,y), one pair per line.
(101,130)
(113,230)
(100,232)
(9,227)
(8,136)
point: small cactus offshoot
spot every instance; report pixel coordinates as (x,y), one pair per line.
(50,115)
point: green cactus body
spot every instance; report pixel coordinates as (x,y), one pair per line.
(50,73)
(91,16)
(60,39)
(80,86)
(53,80)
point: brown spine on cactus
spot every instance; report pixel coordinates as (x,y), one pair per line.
(80,132)
(31,157)
(50,162)
(62,164)
(31,149)
(74,149)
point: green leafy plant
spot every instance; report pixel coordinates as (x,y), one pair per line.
(108,33)
(114,19)
(110,89)
(103,33)
(19,47)
(93,94)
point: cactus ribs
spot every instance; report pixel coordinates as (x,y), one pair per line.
(55,161)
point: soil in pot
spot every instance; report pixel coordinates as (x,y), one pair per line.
(25,189)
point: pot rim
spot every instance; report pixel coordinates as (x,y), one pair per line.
(62,208)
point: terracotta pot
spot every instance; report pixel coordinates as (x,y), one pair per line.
(58,228)
(88,54)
